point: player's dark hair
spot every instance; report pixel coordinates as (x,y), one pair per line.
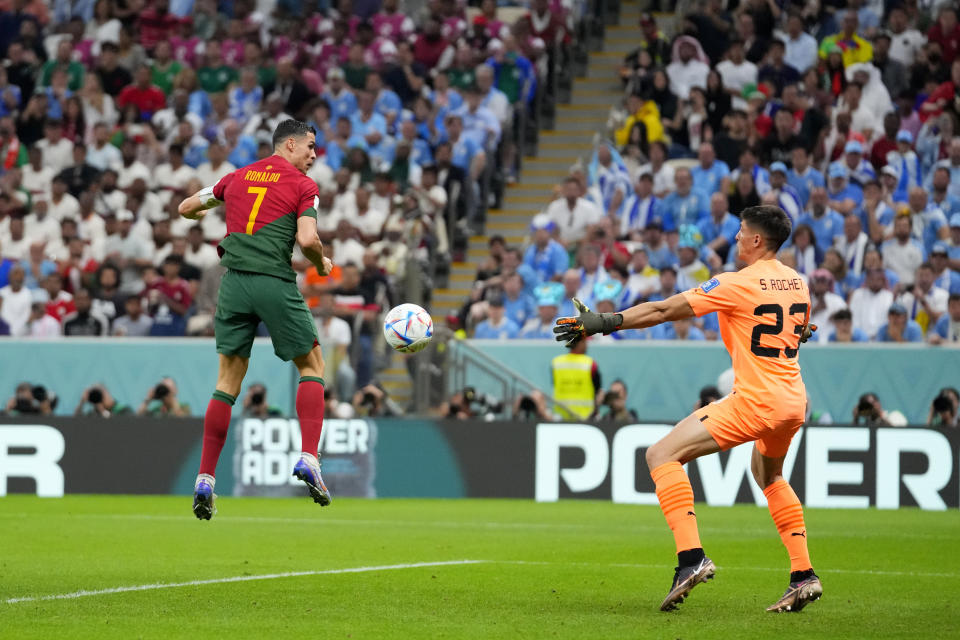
(290,129)
(772,223)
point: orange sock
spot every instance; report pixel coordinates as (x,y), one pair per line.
(787,514)
(676,501)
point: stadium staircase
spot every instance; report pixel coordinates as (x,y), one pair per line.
(571,140)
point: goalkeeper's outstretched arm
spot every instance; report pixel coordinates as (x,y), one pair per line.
(649,314)
(195,207)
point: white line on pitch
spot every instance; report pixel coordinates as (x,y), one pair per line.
(705,528)
(266,576)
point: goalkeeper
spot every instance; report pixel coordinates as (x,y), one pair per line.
(764,311)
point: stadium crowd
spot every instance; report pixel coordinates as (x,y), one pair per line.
(845,113)
(112,111)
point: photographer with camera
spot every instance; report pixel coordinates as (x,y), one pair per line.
(255,403)
(161,401)
(98,401)
(532,406)
(612,404)
(944,409)
(869,412)
(468,404)
(31,399)
(372,401)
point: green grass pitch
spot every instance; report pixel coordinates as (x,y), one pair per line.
(573,569)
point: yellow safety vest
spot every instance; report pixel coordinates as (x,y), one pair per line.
(573,384)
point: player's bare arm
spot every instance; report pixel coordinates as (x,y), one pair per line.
(640,316)
(196,206)
(311,245)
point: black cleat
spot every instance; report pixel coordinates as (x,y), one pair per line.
(798,595)
(685,579)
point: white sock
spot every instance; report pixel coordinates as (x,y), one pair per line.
(205,476)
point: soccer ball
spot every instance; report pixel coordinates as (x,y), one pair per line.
(408,328)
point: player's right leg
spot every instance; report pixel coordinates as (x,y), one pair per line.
(235,326)
(310,406)
(216,422)
(787,513)
(686,441)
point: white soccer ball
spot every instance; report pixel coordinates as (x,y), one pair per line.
(408,328)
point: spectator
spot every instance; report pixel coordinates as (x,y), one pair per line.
(689,67)
(497,326)
(947,328)
(853,48)
(519,306)
(944,277)
(128,252)
(852,245)
(359,306)
(576,382)
(859,170)
(16,302)
(57,151)
(147,98)
(870,303)
(940,196)
(334,335)
(869,411)
(946,33)
(162,401)
(827,225)
(710,175)
(824,303)
(800,47)
(668,284)
(777,72)
(898,327)
(5,328)
(63,61)
(843,329)
(97,401)
(156,24)
(925,302)
(76,178)
(787,198)
(690,270)
(134,323)
(592,271)
(737,73)
(686,205)
(893,73)
(572,214)
(640,209)
(255,403)
(41,324)
(169,300)
(540,327)
(84,321)
(903,253)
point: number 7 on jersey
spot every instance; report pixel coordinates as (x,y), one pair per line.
(261,192)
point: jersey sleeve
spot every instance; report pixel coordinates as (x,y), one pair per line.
(220,188)
(720,293)
(309,199)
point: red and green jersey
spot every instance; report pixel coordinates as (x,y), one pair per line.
(264,201)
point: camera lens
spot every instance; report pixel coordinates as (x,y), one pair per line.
(161,391)
(95,396)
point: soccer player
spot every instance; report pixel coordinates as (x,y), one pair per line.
(269,205)
(764,312)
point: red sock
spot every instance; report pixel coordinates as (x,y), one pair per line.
(215,424)
(310,413)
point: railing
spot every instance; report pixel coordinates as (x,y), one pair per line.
(461,355)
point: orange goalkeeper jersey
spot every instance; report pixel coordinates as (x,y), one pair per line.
(762,310)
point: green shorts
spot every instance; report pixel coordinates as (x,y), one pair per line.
(247,298)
